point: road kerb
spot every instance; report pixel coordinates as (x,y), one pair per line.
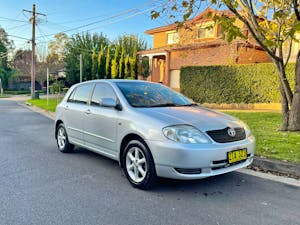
(33,108)
(277,166)
(268,176)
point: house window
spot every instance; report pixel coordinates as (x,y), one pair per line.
(206,30)
(172,38)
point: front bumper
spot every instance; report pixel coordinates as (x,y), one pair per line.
(209,159)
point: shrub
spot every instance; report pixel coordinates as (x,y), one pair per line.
(255,83)
(16,92)
(56,87)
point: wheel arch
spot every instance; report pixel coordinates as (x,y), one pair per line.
(126,139)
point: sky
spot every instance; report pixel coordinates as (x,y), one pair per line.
(111,17)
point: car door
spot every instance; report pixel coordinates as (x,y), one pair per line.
(101,122)
(75,110)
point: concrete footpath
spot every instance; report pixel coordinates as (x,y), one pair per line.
(260,164)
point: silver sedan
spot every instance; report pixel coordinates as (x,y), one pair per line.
(152,131)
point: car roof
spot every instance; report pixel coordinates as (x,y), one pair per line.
(113,81)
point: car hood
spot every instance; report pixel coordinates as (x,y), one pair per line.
(199,117)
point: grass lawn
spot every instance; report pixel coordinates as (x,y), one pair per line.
(265,126)
(270,142)
(42,103)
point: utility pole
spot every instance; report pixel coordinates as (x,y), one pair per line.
(1,88)
(33,21)
(80,63)
(47,86)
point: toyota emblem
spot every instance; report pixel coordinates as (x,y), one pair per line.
(231,132)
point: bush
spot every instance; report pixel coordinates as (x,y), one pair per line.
(56,87)
(16,92)
(255,83)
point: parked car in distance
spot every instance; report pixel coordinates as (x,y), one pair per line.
(152,131)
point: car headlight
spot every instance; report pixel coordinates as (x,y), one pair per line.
(247,129)
(185,134)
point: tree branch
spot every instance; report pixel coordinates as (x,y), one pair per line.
(252,31)
(296,9)
(289,54)
(252,15)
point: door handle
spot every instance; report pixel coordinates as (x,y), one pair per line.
(66,107)
(88,112)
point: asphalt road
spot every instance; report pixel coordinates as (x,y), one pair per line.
(40,185)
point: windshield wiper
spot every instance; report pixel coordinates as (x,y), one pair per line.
(169,104)
(165,105)
(191,104)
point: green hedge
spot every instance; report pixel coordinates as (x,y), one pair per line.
(255,83)
(21,92)
(16,92)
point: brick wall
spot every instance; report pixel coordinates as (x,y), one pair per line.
(252,55)
(220,55)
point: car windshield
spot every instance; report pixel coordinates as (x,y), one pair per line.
(144,94)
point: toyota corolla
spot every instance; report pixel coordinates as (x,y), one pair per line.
(152,131)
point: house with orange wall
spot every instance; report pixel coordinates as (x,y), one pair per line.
(199,43)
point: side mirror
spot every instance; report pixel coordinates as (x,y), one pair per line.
(111,103)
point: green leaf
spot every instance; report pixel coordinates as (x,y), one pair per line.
(296,26)
(154,14)
(269,43)
(185,4)
(187,16)
(209,15)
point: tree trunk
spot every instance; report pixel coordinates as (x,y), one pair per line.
(284,109)
(284,98)
(294,117)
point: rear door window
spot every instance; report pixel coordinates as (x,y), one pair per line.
(71,97)
(81,94)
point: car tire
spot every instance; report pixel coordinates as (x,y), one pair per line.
(62,140)
(138,165)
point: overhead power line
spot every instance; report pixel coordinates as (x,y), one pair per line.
(105,16)
(15,36)
(89,24)
(125,18)
(5,54)
(14,20)
(135,10)
(15,27)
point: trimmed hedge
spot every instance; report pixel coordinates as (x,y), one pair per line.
(252,83)
(16,92)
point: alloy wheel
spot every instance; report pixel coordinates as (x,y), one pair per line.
(136,164)
(61,138)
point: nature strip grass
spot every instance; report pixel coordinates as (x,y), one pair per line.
(42,103)
(270,141)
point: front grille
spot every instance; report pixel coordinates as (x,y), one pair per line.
(222,136)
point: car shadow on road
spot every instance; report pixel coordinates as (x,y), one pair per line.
(212,186)
(101,160)
(208,186)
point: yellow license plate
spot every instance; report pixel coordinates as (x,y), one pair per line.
(237,155)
